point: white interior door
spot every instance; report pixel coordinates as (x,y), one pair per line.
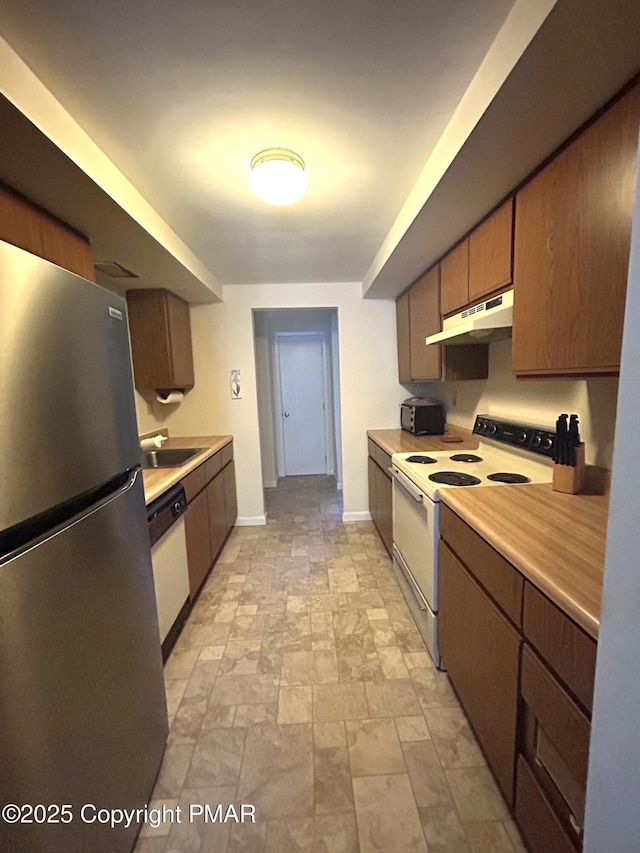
(302,380)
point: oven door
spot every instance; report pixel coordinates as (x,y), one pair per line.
(415,535)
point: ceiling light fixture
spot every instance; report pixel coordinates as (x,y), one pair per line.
(278,176)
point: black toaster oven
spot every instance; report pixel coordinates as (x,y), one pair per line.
(422,417)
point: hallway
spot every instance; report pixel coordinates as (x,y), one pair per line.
(300,685)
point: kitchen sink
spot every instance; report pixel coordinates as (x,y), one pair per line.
(169,458)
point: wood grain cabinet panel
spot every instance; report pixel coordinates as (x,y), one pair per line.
(30,228)
(373,503)
(199,557)
(481,651)
(380,493)
(384,498)
(424,320)
(503,583)
(217,514)
(160,340)
(572,240)
(454,279)
(541,828)
(230,498)
(568,650)
(403,338)
(491,253)
(213,466)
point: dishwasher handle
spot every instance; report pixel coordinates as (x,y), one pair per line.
(407,485)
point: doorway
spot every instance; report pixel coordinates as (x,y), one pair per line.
(297,378)
(303,399)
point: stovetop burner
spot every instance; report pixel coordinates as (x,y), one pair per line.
(422,460)
(454,478)
(465,457)
(506,477)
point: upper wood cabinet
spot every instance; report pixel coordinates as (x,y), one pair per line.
(160,340)
(424,320)
(572,240)
(403,338)
(491,253)
(454,279)
(30,228)
(417,317)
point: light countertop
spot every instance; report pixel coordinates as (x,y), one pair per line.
(555,540)
(400,441)
(158,480)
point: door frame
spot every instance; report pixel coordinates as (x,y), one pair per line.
(280,443)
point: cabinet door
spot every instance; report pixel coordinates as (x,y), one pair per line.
(490,253)
(196,525)
(454,279)
(24,225)
(373,501)
(481,653)
(180,348)
(572,239)
(384,508)
(424,320)
(160,340)
(217,514)
(230,499)
(402,334)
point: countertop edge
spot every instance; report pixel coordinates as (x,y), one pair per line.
(172,476)
(589,623)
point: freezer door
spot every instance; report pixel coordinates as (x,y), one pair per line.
(68,415)
(83,716)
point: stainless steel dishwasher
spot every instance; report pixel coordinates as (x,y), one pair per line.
(169,560)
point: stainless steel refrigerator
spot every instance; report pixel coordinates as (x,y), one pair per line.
(82,708)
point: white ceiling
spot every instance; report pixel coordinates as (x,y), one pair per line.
(181,95)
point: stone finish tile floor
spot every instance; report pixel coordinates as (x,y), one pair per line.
(300,685)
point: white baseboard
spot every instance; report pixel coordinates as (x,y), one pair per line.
(356,516)
(339,486)
(270,484)
(251,520)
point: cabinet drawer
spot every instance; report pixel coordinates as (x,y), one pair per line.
(497,576)
(380,456)
(568,650)
(212,466)
(538,823)
(194,483)
(226,454)
(562,721)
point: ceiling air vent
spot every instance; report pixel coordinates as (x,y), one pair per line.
(111,268)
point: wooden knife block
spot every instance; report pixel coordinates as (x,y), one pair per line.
(570,478)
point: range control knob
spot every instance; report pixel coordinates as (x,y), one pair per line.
(522,437)
(537,440)
(547,443)
(493,429)
(481,426)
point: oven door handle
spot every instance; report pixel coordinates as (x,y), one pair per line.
(406,484)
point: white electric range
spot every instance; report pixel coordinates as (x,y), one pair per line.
(508,454)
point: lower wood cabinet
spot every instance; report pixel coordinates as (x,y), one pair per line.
(230,498)
(217,514)
(196,524)
(481,652)
(523,671)
(380,493)
(210,515)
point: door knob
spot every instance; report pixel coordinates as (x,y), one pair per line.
(286,414)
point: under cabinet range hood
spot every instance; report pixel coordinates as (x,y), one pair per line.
(481,323)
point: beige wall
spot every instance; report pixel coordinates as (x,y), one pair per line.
(537,402)
(223,340)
